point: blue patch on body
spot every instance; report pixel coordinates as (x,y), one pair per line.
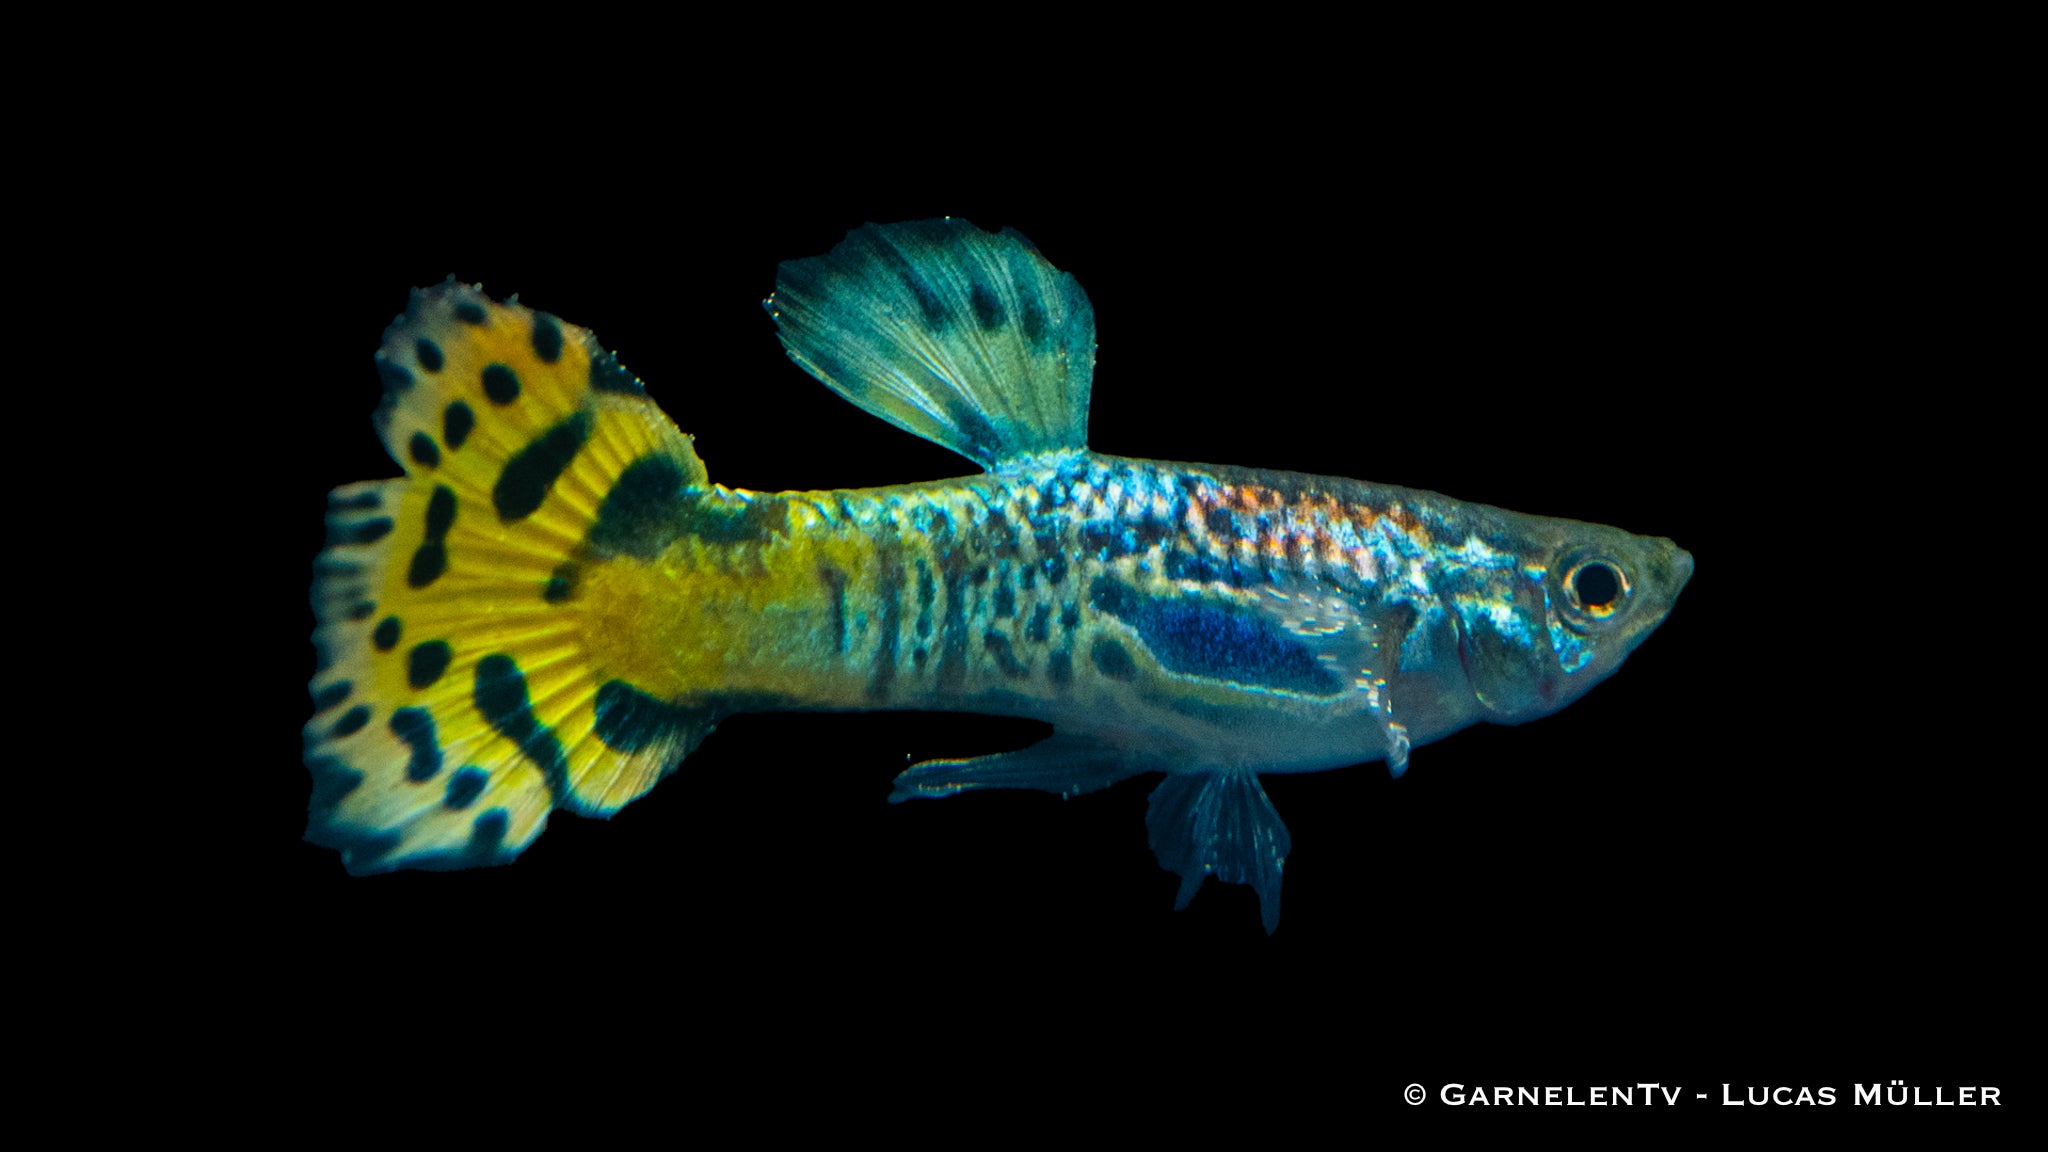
(1217,641)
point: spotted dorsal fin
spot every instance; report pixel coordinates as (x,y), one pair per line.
(462,694)
(964,337)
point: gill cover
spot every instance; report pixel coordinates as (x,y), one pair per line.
(1543,633)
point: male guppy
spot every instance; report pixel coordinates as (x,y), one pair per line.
(555,605)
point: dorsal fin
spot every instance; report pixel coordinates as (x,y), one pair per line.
(964,337)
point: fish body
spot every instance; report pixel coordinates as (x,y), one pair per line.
(556,604)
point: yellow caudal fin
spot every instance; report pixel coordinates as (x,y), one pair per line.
(465,686)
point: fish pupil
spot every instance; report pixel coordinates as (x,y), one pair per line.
(1596,585)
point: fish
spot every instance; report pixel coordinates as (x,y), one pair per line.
(555,605)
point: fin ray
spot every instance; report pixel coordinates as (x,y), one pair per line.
(967,338)
(1067,765)
(457,705)
(1219,824)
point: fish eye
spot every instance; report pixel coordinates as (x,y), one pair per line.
(1595,587)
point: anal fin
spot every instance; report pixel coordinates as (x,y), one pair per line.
(1219,824)
(1067,765)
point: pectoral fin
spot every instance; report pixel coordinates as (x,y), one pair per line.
(1067,765)
(1219,824)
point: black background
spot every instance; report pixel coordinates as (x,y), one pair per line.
(1762,852)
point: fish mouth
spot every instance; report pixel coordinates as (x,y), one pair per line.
(1673,575)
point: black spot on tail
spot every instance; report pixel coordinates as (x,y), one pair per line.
(428,354)
(424,450)
(465,786)
(456,424)
(360,502)
(426,663)
(638,516)
(501,384)
(395,377)
(363,610)
(487,835)
(332,782)
(1060,667)
(351,722)
(414,728)
(529,475)
(501,697)
(469,312)
(386,635)
(547,337)
(562,584)
(1040,626)
(440,512)
(430,559)
(629,720)
(360,532)
(332,695)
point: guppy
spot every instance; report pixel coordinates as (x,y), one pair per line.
(555,604)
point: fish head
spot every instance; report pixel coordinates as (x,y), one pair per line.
(1561,620)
